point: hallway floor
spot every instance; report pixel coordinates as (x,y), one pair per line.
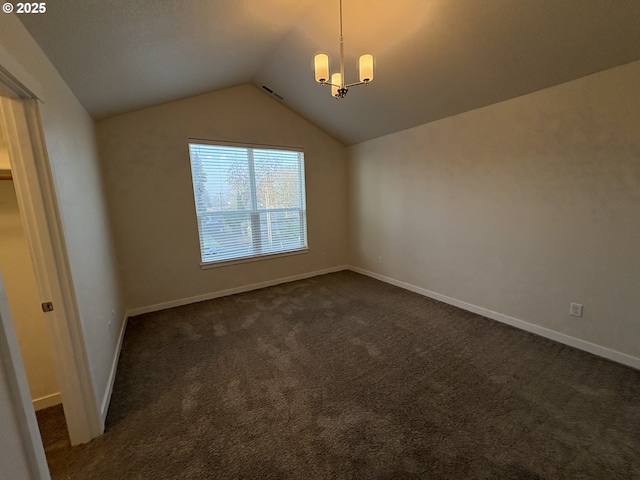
(53,430)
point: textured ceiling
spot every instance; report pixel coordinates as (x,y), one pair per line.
(434,58)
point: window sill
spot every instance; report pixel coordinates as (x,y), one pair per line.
(256,258)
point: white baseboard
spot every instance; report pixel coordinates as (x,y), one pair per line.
(47,401)
(514,322)
(106,399)
(230,291)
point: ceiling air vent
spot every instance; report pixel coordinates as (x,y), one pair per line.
(271,92)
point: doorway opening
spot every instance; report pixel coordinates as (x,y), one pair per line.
(29,321)
(32,187)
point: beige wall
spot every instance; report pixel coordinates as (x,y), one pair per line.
(148,180)
(518,208)
(5,163)
(4,155)
(24,301)
(70,143)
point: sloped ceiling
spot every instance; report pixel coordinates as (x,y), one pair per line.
(434,58)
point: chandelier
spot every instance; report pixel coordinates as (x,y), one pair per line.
(338,86)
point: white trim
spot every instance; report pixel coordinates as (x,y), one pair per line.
(38,207)
(18,76)
(601,351)
(258,146)
(106,399)
(47,401)
(231,291)
(254,258)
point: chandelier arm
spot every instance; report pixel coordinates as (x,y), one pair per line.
(356,83)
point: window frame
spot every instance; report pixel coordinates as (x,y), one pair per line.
(255,212)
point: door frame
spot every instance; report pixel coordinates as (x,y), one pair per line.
(37,201)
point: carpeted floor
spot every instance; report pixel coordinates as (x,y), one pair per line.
(344,377)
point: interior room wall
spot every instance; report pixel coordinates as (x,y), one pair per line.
(146,167)
(5,164)
(13,457)
(70,142)
(21,452)
(24,301)
(518,208)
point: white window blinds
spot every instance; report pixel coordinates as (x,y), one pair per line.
(250,201)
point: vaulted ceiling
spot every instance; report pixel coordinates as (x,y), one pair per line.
(434,58)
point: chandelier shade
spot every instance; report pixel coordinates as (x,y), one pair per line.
(336,81)
(366,68)
(321,64)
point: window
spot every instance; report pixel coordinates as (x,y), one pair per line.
(250,200)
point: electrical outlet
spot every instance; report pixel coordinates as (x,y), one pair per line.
(379,259)
(575,310)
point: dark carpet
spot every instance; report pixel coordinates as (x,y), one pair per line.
(344,377)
